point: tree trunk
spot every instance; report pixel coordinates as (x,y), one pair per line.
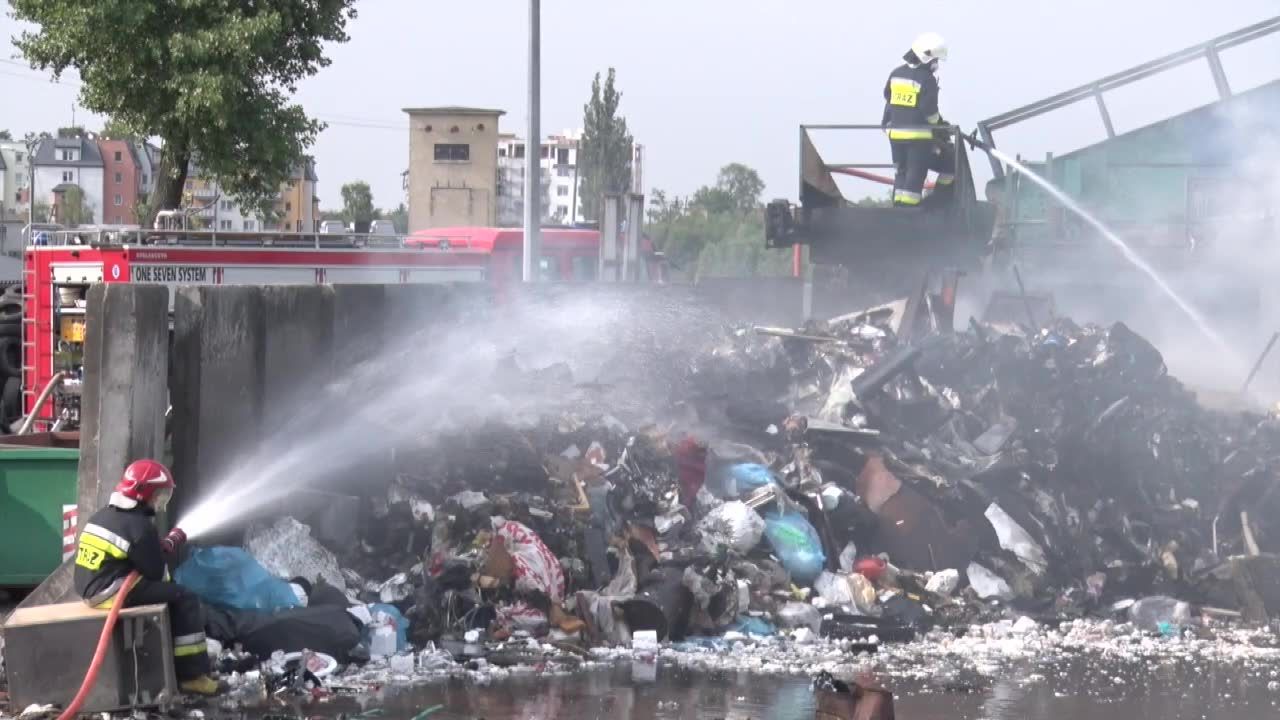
(175,158)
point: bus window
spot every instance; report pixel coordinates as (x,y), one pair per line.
(584,268)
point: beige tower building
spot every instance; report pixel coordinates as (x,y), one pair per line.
(453,167)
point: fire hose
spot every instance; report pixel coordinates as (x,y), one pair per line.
(169,545)
(100,652)
(971,138)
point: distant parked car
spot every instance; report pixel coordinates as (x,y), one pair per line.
(382,227)
(332,227)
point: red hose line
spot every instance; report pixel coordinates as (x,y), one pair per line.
(104,640)
(869,176)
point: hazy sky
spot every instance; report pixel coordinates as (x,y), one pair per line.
(708,82)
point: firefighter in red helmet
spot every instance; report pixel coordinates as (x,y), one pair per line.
(121,538)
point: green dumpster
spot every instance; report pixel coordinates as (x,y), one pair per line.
(35,485)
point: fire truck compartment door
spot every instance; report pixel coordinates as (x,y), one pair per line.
(77,273)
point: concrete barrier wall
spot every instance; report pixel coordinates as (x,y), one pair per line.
(126,366)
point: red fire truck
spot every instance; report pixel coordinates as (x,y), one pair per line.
(60,266)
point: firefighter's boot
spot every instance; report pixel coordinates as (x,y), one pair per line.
(203,685)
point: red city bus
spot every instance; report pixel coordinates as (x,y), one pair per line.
(569,254)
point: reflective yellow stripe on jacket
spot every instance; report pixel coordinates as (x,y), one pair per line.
(910,134)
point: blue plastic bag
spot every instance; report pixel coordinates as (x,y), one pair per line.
(750,625)
(229,577)
(402,625)
(729,482)
(796,544)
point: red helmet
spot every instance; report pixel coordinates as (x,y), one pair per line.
(142,481)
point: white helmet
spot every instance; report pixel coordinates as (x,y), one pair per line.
(929,47)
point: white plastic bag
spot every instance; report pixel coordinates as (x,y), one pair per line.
(943,582)
(987,584)
(734,525)
(864,594)
(286,549)
(1014,538)
(834,588)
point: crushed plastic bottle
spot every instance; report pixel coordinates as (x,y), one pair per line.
(402,664)
(798,614)
(433,658)
(1160,613)
(383,642)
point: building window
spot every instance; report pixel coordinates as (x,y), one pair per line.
(226,205)
(68,155)
(118,201)
(66,176)
(18,157)
(144,181)
(224,224)
(453,152)
(119,178)
(288,207)
(502,152)
(118,158)
(562,156)
(249,225)
(562,171)
(562,191)
(519,151)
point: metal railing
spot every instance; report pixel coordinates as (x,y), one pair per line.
(1207,51)
(857,169)
(214,238)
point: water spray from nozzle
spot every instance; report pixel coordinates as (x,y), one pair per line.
(1132,257)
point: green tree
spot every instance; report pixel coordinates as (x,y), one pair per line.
(742,185)
(74,209)
(719,230)
(400,218)
(357,205)
(116,129)
(41,212)
(71,131)
(5,135)
(605,152)
(208,77)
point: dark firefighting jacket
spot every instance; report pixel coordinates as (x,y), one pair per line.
(910,103)
(112,544)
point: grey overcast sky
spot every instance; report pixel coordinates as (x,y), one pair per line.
(709,82)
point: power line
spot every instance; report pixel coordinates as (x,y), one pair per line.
(38,78)
(369,125)
(350,121)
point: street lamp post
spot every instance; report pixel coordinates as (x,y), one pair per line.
(533,156)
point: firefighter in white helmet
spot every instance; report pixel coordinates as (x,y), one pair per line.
(911,106)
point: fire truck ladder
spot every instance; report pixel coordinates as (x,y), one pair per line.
(30,331)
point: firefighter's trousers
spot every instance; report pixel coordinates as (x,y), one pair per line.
(912,160)
(186,621)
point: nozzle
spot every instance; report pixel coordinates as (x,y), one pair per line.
(173,541)
(974,142)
